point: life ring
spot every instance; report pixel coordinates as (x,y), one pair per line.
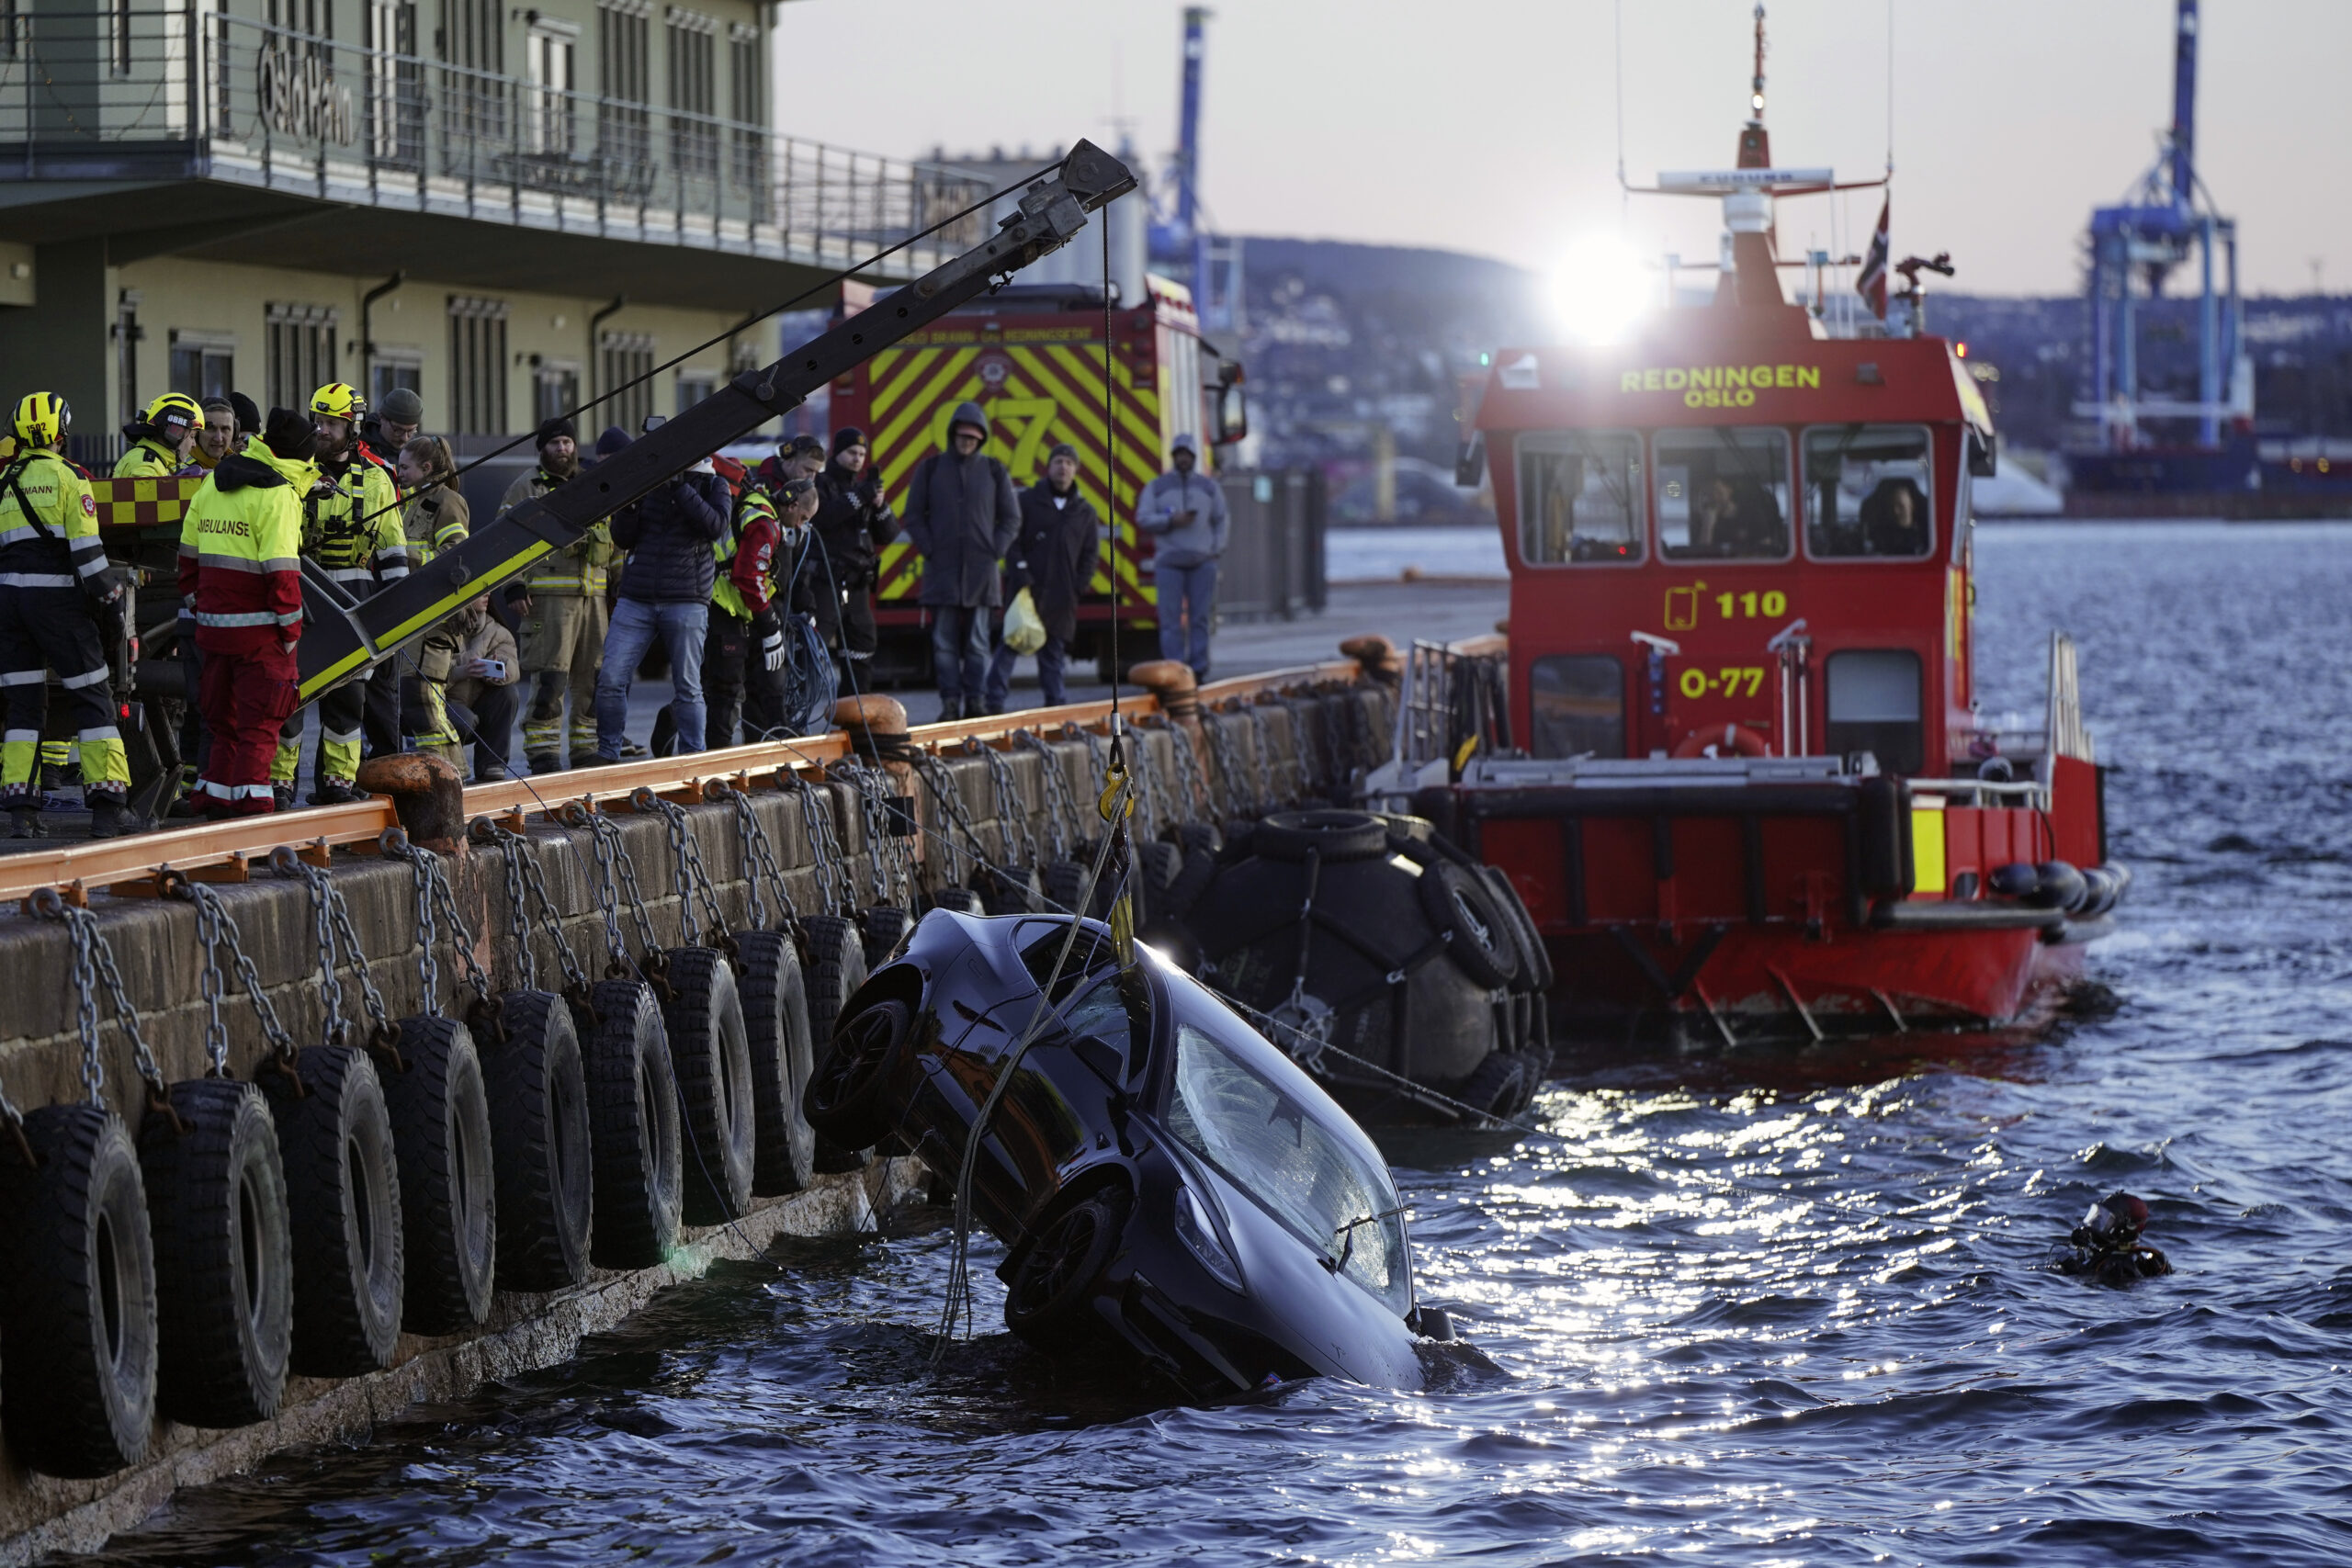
(1730,740)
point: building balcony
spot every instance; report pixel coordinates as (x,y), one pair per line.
(191,129)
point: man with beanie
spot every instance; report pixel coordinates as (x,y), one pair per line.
(1186,512)
(563,635)
(961,517)
(743,657)
(796,457)
(394,424)
(852,523)
(241,580)
(1054,558)
(665,594)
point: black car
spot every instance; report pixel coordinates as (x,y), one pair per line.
(1163,1177)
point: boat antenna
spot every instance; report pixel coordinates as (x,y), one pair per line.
(1625,192)
(1756,88)
(1890,89)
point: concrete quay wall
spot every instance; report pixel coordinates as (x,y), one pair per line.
(1300,747)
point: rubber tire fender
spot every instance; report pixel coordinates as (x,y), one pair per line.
(343,1193)
(1047,1296)
(77,1383)
(962,900)
(880,929)
(1157,864)
(440,1111)
(1065,885)
(539,1144)
(775,1029)
(1535,972)
(1497,1086)
(834,966)
(1193,875)
(633,1126)
(1334,836)
(224,1260)
(1011,890)
(712,1059)
(846,1099)
(1483,946)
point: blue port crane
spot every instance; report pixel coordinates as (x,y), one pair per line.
(1180,240)
(2136,246)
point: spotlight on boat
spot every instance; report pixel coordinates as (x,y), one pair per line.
(1600,290)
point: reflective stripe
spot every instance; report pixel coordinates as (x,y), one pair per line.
(185,550)
(237,618)
(351,574)
(23,678)
(104,732)
(92,567)
(86,678)
(35,580)
(338,737)
(248,564)
(19,736)
(22,531)
(291,618)
(393,573)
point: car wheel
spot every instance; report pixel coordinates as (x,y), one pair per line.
(1045,1299)
(844,1098)
(836,969)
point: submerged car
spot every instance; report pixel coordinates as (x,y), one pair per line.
(1163,1178)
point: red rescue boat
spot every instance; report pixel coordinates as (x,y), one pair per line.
(1738,770)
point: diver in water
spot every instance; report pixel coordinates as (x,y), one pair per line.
(2107,1246)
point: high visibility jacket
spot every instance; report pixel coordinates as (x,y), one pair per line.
(580,570)
(240,541)
(55,544)
(437,521)
(145,459)
(746,555)
(354,532)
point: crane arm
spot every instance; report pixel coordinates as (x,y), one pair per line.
(341,639)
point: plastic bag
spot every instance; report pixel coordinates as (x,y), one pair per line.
(1024,629)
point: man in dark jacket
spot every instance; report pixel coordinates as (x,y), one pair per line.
(665,594)
(1054,558)
(961,517)
(852,523)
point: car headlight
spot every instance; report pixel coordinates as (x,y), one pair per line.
(1195,1224)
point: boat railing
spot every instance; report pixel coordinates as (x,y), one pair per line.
(2068,738)
(2029,793)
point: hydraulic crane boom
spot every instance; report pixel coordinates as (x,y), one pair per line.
(341,639)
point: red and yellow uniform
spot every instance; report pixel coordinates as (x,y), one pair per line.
(241,579)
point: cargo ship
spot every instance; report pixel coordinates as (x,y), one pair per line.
(1731,759)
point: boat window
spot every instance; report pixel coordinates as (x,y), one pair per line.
(1722,493)
(1874,707)
(1268,1145)
(1579,496)
(1867,491)
(1579,705)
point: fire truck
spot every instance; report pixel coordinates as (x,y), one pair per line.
(1034,357)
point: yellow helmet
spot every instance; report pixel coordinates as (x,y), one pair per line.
(337,400)
(175,408)
(41,419)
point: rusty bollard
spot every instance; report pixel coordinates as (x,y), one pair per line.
(877,728)
(427,795)
(1377,659)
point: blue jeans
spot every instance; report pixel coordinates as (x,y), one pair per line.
(959,650)
(1187,603)
(1051,658)
(634,624)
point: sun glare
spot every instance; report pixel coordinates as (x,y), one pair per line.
(1599,290)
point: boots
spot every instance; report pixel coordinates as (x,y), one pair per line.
(336,791)
(952,709)
(544,761)
(25,822)
(106,817)
(283,794)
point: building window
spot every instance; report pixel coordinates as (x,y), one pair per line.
(312,18)
(301,353)
(693,386)
(395,370)
(12,22)
(1874,707)
(547,110)
(204,365)
(747,139)
(395,83)
(128,335)
(625,82)
(121,14)
(1578,701)
(694,93)
(477,365)
(472,43)
(625,374)
(555,391)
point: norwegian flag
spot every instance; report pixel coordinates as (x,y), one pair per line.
(1872,285)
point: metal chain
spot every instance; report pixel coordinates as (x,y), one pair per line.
(869,813)
(322,937)
(214,926)
(882,822)
(1151,789)
(331,919)
(1196,794)
(1223,798)
(694,878)
(438,915)
(510,864)
(1262,731)
(94,966)
(1061,805)
(428,968)
(950,796)
(1011,812)
(620,881)
(761,855)
(520,863)
(834,875)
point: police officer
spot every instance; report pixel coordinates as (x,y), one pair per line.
(53,576)
(352,528)
(163,439)
(563,637)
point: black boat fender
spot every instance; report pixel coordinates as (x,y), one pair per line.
(343,1192)
(633,1123)
(702,1017)
(440,1114)
(774,999)
(539,1135)
(77,1384)
(1335,837)
(2060,887)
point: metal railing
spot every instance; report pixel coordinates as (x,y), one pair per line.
(87,92)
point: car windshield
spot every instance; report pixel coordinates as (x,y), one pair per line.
(1265,1142)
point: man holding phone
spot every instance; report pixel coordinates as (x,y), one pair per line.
(481,695)
(1186,512)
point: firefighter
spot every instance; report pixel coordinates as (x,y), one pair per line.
(563,635)
(54,578)
(394,425)
(161,439)
(743,657)
(350,527)
(242,585)
(435,521)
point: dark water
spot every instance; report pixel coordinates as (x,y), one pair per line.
(1784,1310)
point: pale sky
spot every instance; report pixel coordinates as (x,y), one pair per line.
(1490,126)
